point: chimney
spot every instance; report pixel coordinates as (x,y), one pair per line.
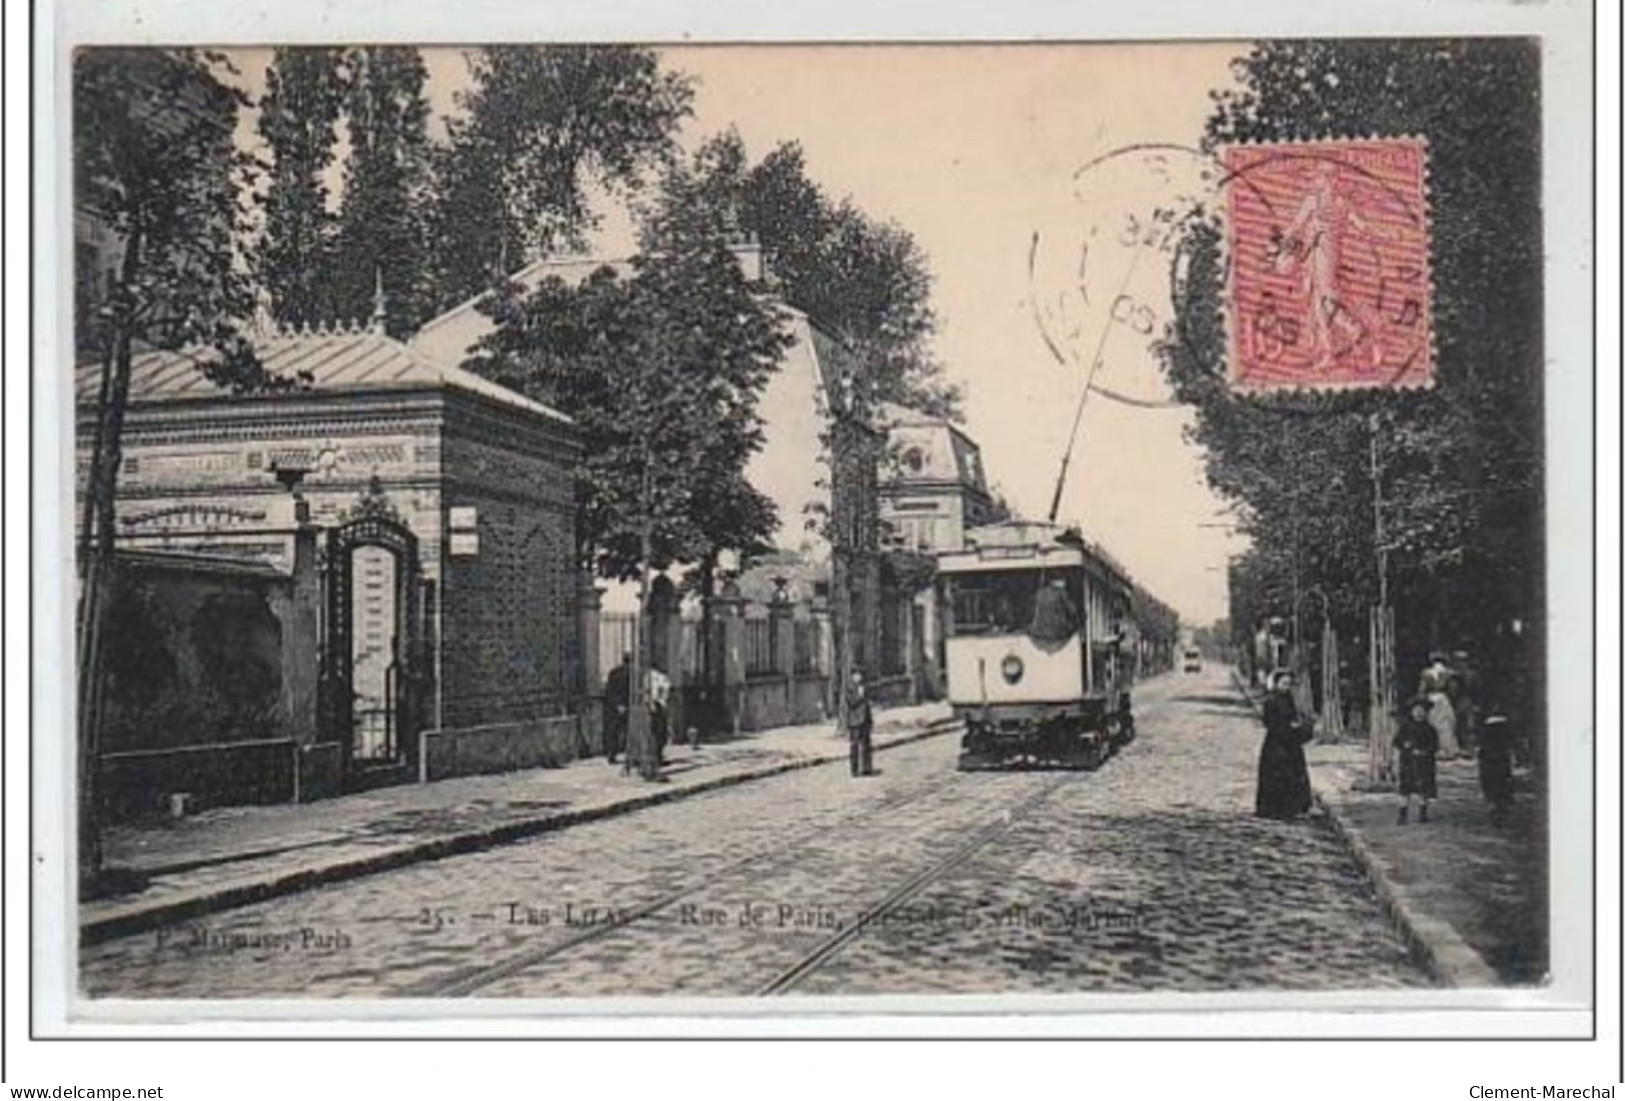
(748,251)
(380,303)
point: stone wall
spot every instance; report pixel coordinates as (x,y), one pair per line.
(499,747)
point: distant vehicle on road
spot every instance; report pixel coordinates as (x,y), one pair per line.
(1192,661)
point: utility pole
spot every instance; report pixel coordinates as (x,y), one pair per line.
(1381,723)
(849,493)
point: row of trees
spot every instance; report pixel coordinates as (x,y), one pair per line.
(1432,495)
(444,221)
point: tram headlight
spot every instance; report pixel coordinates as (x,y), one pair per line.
(1012,668)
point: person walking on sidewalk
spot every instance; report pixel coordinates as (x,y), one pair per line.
(1441,712)
(1283,773)
(860,724)
(617,706)
(658,687)
(1417,745)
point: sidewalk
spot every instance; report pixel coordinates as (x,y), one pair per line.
(232,856)
(1467,896)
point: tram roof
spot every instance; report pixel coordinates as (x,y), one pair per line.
(1024,544)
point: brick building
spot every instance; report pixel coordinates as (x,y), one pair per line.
(450,501)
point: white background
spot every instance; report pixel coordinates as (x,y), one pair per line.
(416,1069)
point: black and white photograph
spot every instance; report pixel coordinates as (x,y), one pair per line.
(754,527)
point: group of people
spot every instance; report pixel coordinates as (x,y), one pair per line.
(1446,717)
(1443,716)
(618,709)
(858,717)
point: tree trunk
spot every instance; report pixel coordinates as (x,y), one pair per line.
(100,568)
(710,679)
(639,735)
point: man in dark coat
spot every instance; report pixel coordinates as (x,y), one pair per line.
(860,723)
(617,706)
(1283,773)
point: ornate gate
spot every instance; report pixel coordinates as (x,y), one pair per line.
(379,727)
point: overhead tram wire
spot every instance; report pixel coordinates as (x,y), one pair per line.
(1088,387)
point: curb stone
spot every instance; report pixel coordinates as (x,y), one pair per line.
(137,918)
(1448,959)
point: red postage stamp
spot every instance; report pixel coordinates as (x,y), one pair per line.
(1330,285)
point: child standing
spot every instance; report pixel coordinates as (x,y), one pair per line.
(1417,744)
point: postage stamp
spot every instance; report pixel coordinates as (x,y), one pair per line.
(1329,279)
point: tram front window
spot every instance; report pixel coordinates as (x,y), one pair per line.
(1004,602)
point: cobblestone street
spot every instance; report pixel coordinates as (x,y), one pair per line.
(1150,874)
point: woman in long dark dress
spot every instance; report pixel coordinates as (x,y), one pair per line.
(1283,773)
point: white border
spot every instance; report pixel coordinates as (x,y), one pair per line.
(1567,98)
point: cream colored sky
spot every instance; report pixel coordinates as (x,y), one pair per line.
(973,148)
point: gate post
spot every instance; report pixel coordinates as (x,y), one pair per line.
(728,653)
(589,626)
(781,618)
(301,643)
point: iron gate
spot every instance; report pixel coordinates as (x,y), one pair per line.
(379,733)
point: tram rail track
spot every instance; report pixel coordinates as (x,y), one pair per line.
(810,963)
(773,858)
(470,983)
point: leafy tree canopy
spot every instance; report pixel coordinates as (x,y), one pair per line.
(663,370)
(539,125)
(299,114)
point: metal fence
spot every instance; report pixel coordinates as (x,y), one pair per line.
(759,648)
(809,646)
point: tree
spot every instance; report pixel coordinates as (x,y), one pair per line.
(299,114)
(382,242)
(155,165)
(1457,482)
(539,125)
(663,371)
(865,283)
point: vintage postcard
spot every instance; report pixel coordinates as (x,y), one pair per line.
(771,526)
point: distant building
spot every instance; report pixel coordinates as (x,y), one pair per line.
(932,488)
(933,485)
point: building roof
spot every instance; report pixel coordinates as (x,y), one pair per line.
(571,269)
(343,359)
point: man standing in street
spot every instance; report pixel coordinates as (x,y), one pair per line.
(860,722)
(617,704)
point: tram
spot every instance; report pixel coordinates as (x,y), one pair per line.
(1039,634)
